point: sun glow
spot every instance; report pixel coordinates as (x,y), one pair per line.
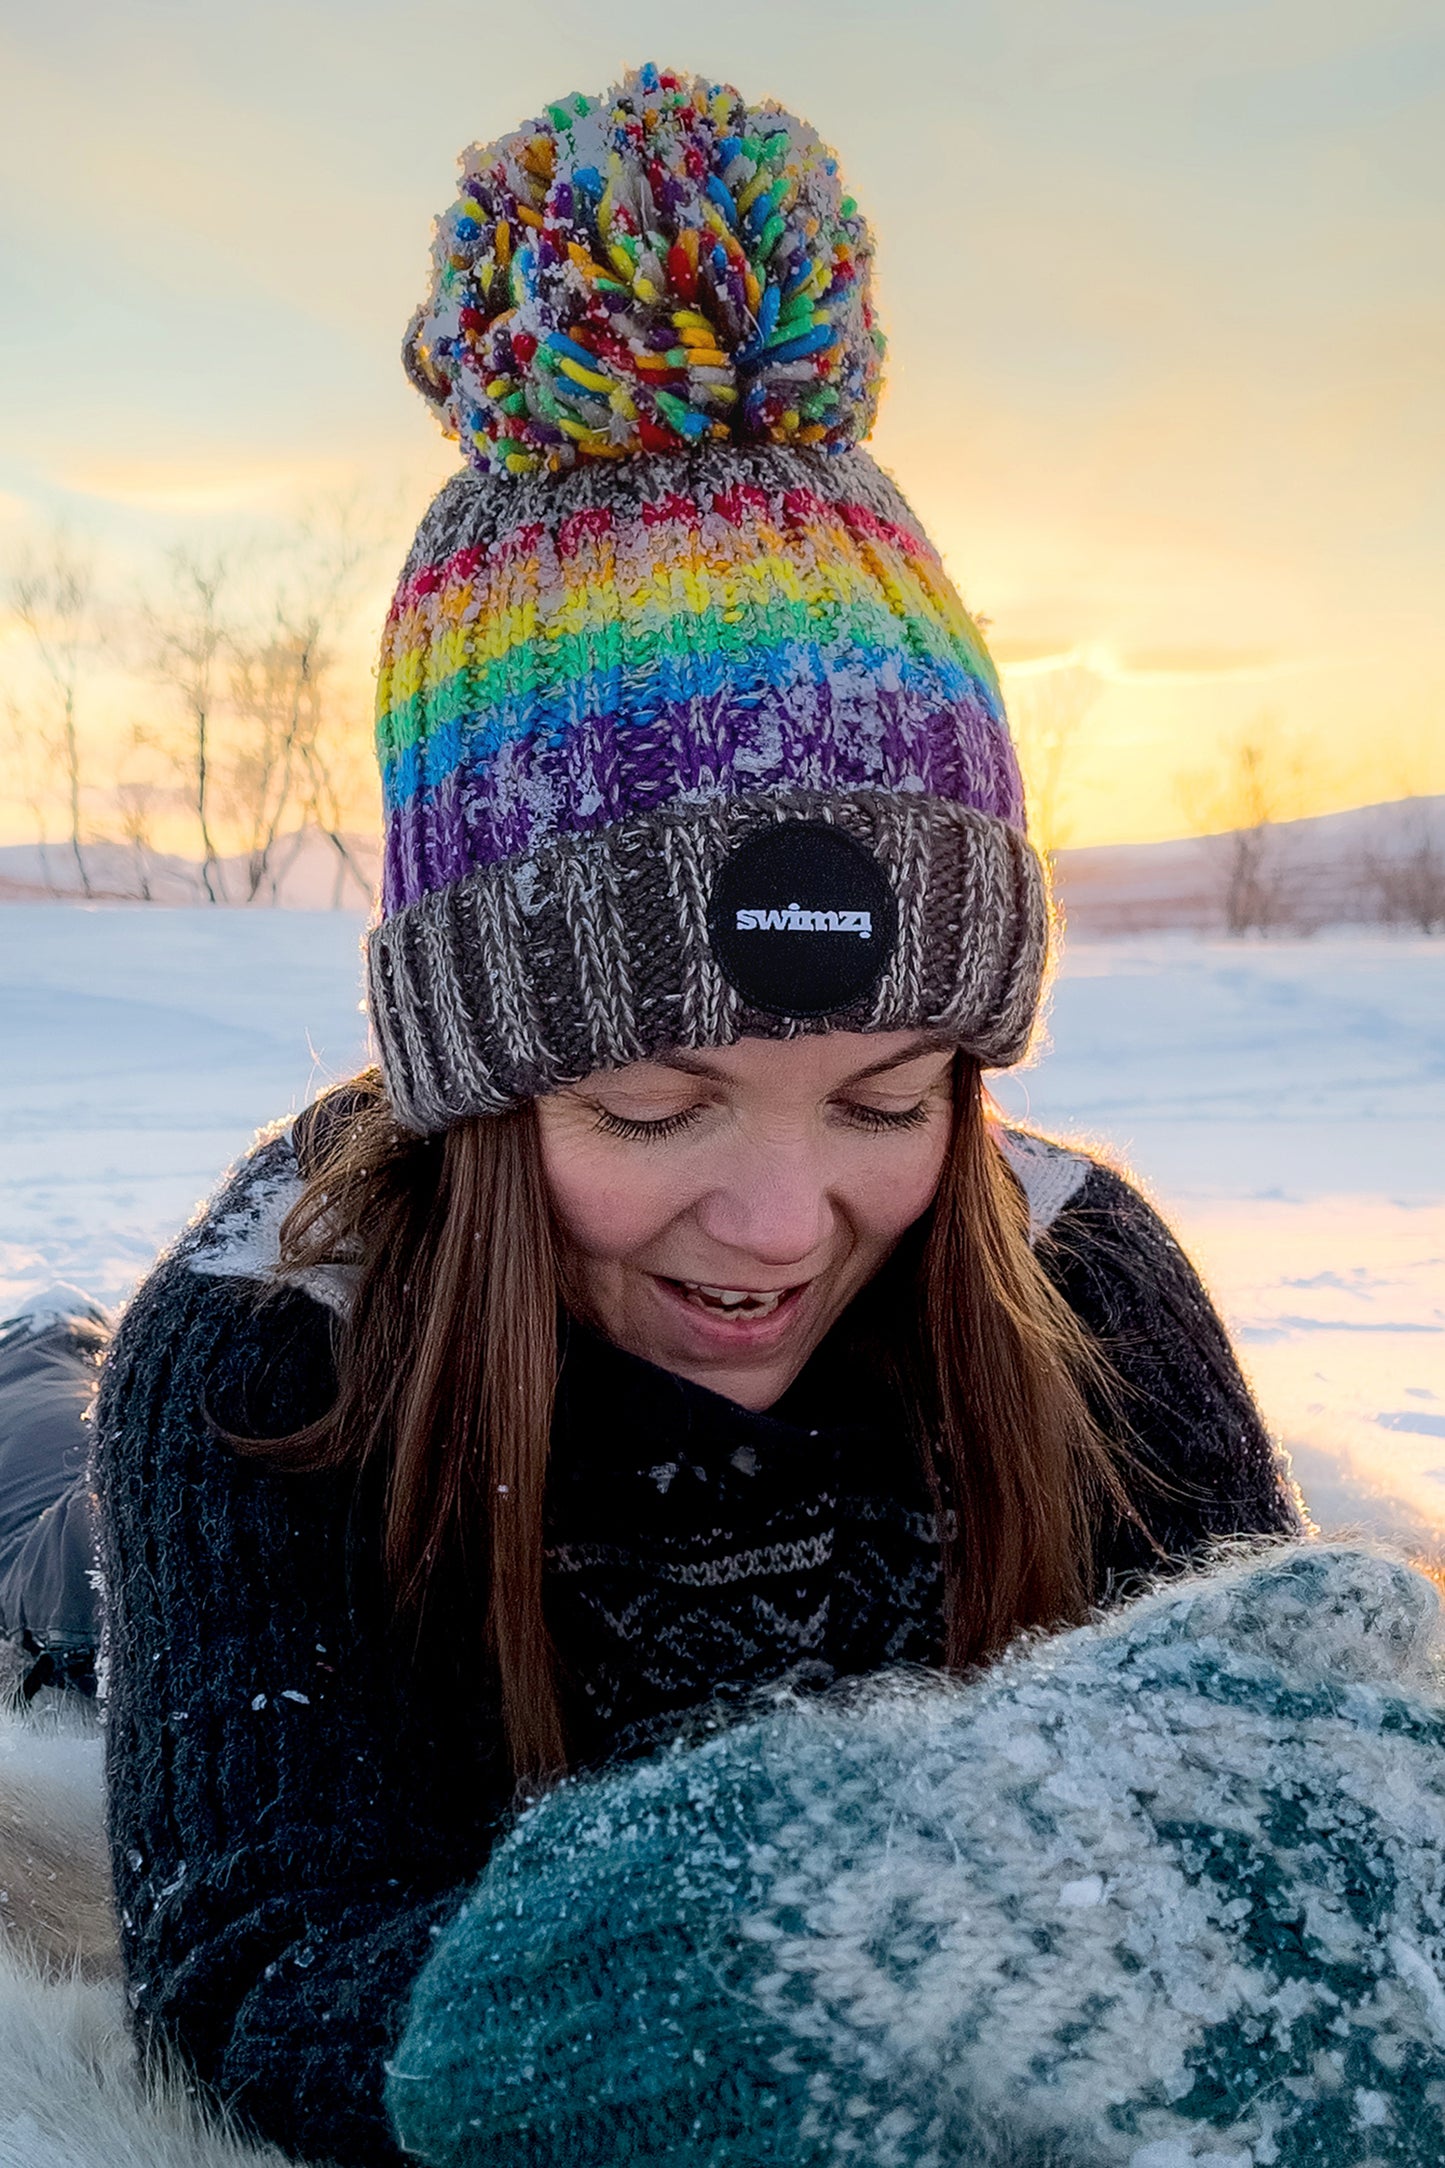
(1162,379)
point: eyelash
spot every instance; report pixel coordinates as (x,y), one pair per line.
(876,1118)
(617,1125)
(671,1125)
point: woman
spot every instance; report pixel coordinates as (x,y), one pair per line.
(667,1314)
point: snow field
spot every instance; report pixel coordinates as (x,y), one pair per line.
(142,1048)
(1284,1105)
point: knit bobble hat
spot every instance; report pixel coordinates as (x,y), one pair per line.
(684,733)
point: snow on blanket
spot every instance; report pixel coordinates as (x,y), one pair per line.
(1167,1890)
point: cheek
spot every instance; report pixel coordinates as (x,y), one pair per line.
(884,1192)
(604,1210)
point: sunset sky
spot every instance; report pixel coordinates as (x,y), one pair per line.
(1163,285)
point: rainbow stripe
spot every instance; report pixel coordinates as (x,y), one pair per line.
(564,677)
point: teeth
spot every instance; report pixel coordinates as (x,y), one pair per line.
(735,1299)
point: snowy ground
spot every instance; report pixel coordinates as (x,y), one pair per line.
(1285,1104)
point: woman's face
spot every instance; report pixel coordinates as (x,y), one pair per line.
(720,1210)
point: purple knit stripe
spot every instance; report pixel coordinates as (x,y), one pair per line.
(824,736)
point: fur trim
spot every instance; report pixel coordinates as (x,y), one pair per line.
(71,2092)
(238,1235)
(55,1901)
(1049,1174)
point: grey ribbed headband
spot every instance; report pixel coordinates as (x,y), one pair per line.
(604,949)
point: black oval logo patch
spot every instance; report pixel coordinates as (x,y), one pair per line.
(802,919)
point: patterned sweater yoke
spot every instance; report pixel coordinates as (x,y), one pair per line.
(294,1818)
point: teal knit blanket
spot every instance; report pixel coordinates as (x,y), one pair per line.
(1164,1892)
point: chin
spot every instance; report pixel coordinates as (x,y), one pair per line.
(752,1387)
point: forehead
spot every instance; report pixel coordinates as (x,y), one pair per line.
(819,1061)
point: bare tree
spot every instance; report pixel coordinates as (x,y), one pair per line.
(134,804)
(52,595)
(270,694)
(325,805)
(139,797)
(1408,881)
(285,765)
(248,637)
(1245,799)
(1254,876)
(188,640)
(25,768)
(296,762)
(1046,711)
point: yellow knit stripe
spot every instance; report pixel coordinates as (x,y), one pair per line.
(479,623)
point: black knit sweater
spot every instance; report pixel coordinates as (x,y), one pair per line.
(294,1813)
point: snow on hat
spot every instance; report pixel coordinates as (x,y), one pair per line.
(684,732)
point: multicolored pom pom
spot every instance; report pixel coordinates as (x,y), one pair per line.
(647,272)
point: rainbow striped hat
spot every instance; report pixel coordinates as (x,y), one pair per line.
(684,732)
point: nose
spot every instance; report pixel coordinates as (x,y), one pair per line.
(773,1208)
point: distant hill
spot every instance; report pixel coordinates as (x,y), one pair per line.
(306,872)
(1370,864)
(1375,863)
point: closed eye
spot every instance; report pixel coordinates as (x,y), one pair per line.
(864,1117)
(668,1125)
(854,1113)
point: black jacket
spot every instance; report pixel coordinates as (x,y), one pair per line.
(293,1816)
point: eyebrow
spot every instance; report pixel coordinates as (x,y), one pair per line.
(697,1065)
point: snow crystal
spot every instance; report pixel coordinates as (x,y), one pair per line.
(1088,1890)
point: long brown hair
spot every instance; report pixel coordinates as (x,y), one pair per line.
(447,1373)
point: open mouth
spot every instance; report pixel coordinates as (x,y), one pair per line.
(735,1302)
